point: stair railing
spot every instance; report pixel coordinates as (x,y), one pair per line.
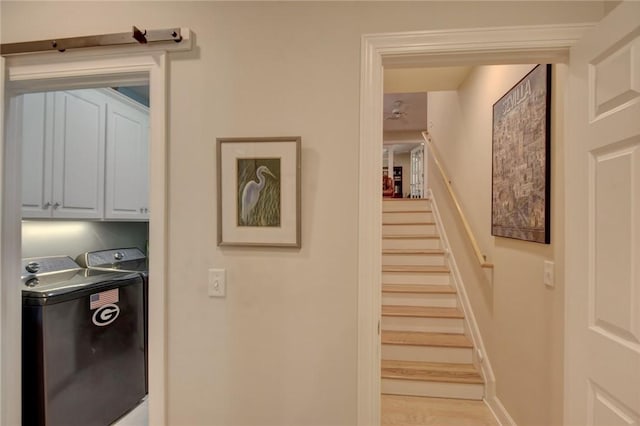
(482,259)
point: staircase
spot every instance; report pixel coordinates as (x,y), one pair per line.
(425,351)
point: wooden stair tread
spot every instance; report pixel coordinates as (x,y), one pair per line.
(404,200)
(421,338)
(407,223)
(413,251)
(416,268)
(421,312)
(418,288)
(411,237)
(408,211)
(430,371)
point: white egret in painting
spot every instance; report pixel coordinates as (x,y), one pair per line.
(251,192)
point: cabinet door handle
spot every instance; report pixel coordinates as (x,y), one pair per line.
(56,205)
(46,205)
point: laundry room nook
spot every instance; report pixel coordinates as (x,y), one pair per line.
(85,233)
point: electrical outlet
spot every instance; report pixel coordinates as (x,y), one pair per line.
(217,283)
(549,273)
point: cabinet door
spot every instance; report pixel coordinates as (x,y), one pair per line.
(127,153)
(78,154)
(35,129)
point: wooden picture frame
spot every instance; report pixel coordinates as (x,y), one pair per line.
(259,191)
(521,170)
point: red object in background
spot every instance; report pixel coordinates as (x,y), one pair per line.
(387,186)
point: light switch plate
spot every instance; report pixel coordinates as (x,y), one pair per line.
(549,273)
(217,283)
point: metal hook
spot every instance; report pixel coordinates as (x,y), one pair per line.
(54,44)
(139,35)
(174,35)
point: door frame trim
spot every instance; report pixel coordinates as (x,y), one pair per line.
(44,71)
(476,46)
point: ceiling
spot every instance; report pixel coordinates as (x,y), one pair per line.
(432,79)
(138,93)
(405,111)
(411,80)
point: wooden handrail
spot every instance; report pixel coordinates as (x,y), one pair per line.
(482,259)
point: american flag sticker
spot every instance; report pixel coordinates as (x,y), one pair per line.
(104,298)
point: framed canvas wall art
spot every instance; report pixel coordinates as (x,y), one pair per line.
(521,159)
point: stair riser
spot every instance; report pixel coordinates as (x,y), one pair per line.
(405,205)
(419,223)
(415,278)
(413,259)
(411,243)
(432,389)
(408,229)
(435,325)
(408,217)
(419,299)
(427,353)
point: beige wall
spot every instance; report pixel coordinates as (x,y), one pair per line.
(520,319)
(280,349)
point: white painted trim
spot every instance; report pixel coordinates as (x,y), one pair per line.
(10,246)
(82,71)
(2,181)
(158,245)
(499,412)
(476,46)
(545,43)
(370,237)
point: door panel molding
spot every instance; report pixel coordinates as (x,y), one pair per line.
(602,322)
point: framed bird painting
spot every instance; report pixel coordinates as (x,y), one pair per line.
(259,191)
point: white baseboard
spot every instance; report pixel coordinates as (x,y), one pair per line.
(499,412)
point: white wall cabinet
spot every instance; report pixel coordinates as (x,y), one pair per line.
(35,130)
(84,155)
(126,162)
(63,141)
(78,154)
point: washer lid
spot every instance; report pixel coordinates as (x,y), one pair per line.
(33,266)
(59,283)
(106,258)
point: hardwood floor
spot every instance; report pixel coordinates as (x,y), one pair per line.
(414,411)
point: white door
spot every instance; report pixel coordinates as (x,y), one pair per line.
(602,299)
(78,166)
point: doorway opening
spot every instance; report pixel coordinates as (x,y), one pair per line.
(539,44)
(424,299)
(81,71)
